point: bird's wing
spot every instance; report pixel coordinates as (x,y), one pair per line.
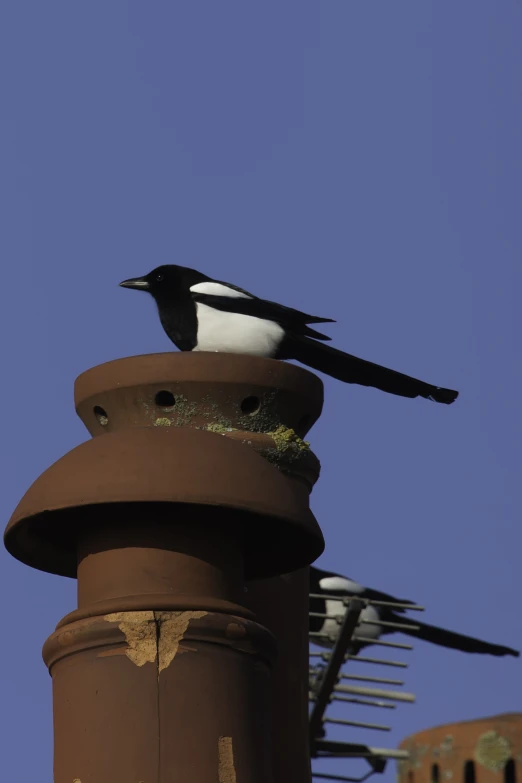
(343,586)
(310,319)
(290,319)
(376,595)
(229,285)
(453,640)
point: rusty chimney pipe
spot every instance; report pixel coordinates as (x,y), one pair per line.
(281,605)
(196,479)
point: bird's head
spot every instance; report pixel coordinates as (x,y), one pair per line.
(166,282)
(162,280)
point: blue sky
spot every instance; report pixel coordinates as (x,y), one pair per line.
(358,160)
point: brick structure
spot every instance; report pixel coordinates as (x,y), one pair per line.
(487,750)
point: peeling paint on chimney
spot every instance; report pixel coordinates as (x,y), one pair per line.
(152,636)
(226,768)
(172,628)
(139,629)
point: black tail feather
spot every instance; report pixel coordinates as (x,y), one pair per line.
(351,369)
(315,319)
(455,641)
(315,334)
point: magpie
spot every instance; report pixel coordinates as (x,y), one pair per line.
(330,584)
(199,313)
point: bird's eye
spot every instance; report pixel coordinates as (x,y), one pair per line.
(159,277)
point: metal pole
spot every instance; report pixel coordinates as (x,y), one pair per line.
(331,674)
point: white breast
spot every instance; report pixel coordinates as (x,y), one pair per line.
(236,333)
(331,627)
(336,608)
(369,629)
(233,332)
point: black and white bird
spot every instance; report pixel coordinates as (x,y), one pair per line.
(330,584)
(202,314)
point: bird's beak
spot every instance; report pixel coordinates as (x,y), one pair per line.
(135,282)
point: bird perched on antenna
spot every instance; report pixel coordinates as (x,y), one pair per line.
(335,587)
(202,314)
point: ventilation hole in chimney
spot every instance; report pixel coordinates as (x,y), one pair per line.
(435,773)
(469,772)
(164,399)
(101,415)
(510,773)
(251,405)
